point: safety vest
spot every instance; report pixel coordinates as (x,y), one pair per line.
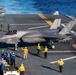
(21,68)
(7,65)
(39,47)
(25,50)
(46,49)
(60,63)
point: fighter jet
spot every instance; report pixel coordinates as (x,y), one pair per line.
(40,35)
(50,35)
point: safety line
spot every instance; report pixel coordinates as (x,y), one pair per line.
(73,57)
(46,20)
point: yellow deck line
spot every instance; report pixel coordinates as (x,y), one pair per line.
(46,20)
(73,43)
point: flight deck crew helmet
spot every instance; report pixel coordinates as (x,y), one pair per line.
(60,59)
(22,64)
(25,47)
(13,53)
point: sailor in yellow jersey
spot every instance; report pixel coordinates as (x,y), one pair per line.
(45,52)
(6,64)
(60,63)
(22,69)
(25,52)
(38,49)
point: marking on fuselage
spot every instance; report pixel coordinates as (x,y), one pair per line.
(46,20)
(73,57)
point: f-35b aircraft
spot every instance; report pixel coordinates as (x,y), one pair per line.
(40,35)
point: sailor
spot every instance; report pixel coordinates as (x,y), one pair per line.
(0,56)
(16,46)
(13,57)
(1,27)
(6,64)
(1,72)
(38,49)
(3,61)
(8,58)
(8,27)
(3,64)
(25,52)
(22,69)
(3,67)
(45,52)
(0,62)
(3,54)
(60,63)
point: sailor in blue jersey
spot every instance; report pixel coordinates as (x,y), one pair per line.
(0,57)
(3,54)
(0,66)
(0,62)
(3,67)
(13,57)
(8,58)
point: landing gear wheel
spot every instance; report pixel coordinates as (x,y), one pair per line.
(52,46)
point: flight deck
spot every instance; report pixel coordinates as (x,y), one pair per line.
(37,65)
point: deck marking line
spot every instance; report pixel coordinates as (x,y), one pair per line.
(46,20)
(53,62)
(29,24)
(37,27)
(60,51)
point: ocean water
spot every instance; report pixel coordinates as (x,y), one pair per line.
(39,6)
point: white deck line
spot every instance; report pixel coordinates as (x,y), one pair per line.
(37,27)
(30,24)
(60,51)
(53,62)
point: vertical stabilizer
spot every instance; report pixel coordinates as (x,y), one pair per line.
(56,24)
(56,13)
(68,27)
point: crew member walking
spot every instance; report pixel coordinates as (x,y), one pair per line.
(25,52)
(22,69)
(38,49)
(60,63)
(45,52)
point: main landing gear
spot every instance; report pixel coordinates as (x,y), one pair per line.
(51,45)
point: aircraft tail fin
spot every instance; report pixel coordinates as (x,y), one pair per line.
(68,27)
(56,24)
(56,13)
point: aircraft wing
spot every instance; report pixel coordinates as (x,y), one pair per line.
(11,40)
(41,36)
